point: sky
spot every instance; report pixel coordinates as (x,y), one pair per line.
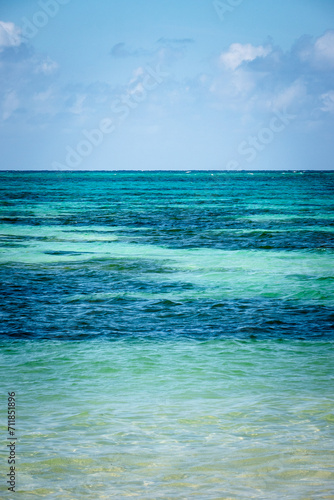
(167,85)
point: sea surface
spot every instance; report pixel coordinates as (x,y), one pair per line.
(168,335)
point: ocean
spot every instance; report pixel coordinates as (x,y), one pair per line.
(168,334)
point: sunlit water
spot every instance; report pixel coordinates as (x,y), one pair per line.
(169,335)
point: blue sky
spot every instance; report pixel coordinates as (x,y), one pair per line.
(187,84)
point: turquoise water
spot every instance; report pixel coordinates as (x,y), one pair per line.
(168,335)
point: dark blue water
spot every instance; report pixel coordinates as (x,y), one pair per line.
(161,254)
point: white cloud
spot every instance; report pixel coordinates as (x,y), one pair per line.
(319,54)
(24,74)
(239,53)
(299,80)
(9,35)
(328,101)
(324,49)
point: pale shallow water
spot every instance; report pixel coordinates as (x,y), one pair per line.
(169,335)
(173,419)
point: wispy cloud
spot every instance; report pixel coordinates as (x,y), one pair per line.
(10,35)
(327,101)
(120,50)
(23,74)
